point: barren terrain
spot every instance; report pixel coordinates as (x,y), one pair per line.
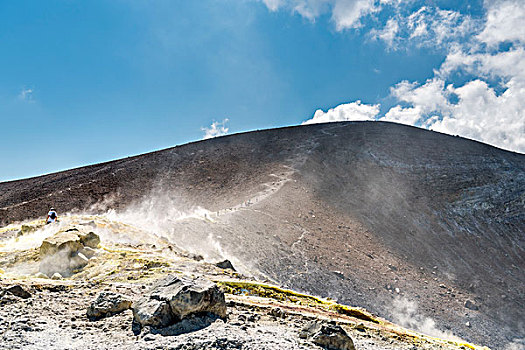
(410,224)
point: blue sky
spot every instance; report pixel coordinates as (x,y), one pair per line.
(88,81)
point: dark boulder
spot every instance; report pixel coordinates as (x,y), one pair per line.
(175,298)
(327,335)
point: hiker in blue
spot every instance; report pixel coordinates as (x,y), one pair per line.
(51,216)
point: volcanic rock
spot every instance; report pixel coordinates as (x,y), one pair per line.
(18,291)
(107,304)
(469,304)
(67,251)
(225,264)
(177,297)
(89,239)
(328,336)
(62,241)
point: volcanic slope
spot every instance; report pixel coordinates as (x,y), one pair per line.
(408,223)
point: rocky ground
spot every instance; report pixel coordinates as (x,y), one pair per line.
(38,312)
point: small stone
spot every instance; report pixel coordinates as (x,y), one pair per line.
(225,264)
(149,337)
(339,274)
(56,276)
(469,304)
(277,312)
(41,275)
(467,324)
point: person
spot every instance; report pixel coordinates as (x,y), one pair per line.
(51,216)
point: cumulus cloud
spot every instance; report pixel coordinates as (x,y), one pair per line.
(504,22)
(479,113)
(488,108)
(345,112)
(216,129)
(344,13)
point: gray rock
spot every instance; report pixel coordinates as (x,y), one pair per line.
(328,336)
(152,312)
(56,276)
(175,298)
(225,264)
(107,304)
(469,304)
(8,298)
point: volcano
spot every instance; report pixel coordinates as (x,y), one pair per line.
(416,226)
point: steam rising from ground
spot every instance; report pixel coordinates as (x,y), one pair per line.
(167,215)
(405,313)
(29,241)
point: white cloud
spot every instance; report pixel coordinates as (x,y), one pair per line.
(505,22)
(347,13)
(389,33)
(344,13)
(482,115)
(273,5)
(426,27)
(479,110)
(428,97)
(216,129)
(345,112)
(26,94)
(398,114)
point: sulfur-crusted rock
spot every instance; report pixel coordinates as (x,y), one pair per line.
(89,239)
(175,298)
(67,251)
(62,241)
(107,304)
(327,335)
(78,261)
(26,229)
